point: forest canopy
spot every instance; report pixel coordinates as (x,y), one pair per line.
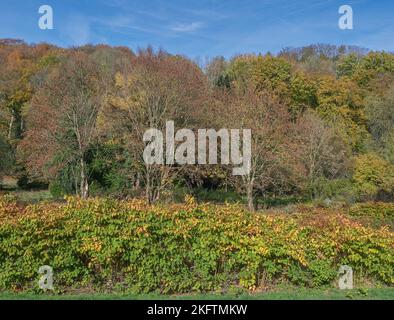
(322,120)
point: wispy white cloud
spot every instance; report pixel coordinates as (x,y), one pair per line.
(187,27)
(77,30)
(118,21)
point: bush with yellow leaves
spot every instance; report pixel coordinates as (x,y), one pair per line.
(129,245)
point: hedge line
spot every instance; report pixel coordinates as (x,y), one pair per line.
(128,245)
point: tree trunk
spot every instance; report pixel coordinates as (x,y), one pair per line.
(152,195)
(84,181)
(137,184)
(250,197)
(10,126)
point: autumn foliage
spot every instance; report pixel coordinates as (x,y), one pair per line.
(73,119)
(133,246)
(72,122)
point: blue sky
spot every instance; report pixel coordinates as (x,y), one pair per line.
(201,28)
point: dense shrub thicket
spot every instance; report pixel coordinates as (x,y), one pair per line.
(128,245)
